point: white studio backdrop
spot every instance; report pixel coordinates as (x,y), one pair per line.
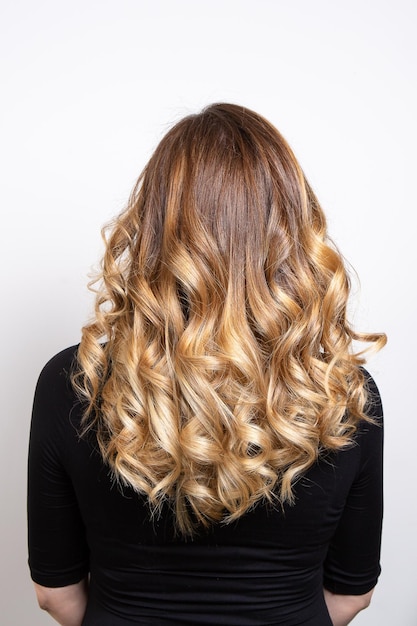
(88,89)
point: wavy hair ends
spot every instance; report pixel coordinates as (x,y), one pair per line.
(220,363)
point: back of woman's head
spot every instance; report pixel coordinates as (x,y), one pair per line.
(227,364)
(224,188)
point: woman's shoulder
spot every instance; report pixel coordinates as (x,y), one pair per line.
(54,381)
(54,414)
(370,433)
(373,407)
(61,364)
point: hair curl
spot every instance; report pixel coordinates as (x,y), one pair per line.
(219,363)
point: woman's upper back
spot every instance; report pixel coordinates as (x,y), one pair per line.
(268,565)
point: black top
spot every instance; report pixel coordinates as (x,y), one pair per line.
(267,568)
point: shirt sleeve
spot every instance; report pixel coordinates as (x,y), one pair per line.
(58,552)
(352,565)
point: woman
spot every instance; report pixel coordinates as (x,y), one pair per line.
(211,451)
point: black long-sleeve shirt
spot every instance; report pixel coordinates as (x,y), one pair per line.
(268,568)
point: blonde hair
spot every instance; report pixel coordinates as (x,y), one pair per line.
(220,364)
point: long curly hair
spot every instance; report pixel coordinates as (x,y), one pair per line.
(220,364)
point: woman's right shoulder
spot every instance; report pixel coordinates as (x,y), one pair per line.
(373,408)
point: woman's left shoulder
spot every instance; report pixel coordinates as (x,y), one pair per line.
(61,363)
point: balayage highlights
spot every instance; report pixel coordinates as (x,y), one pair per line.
(220,364)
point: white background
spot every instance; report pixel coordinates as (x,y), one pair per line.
(88,89)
